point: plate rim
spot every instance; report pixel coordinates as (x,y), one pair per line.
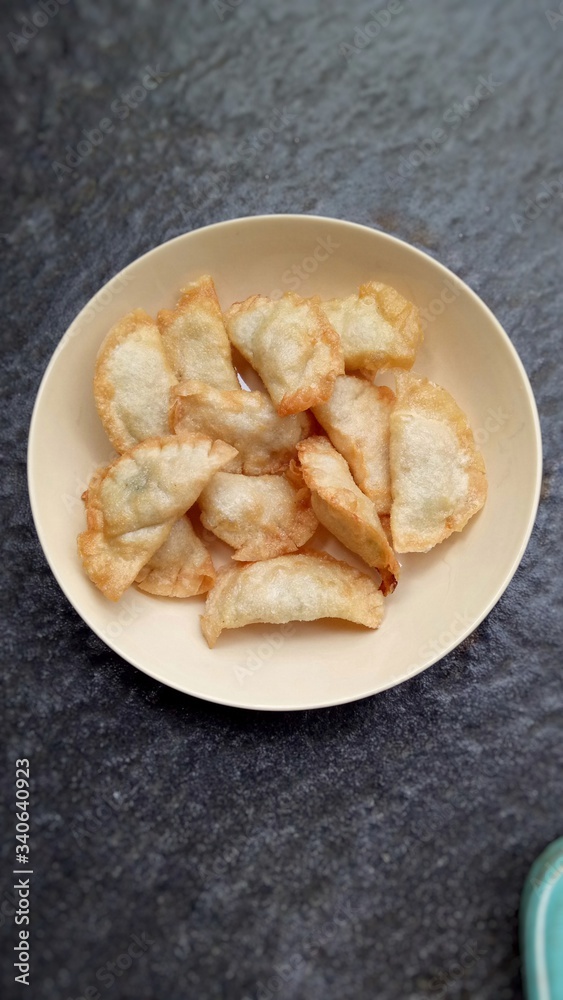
(33,492)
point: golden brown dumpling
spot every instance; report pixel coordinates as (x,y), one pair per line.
(195,339)
(378,328)
(248,420)
(132,505)
(291,345)
(260,516)
(356,419)
(342,507)
(437,474)
(132,382)
(182,567)
(300,587)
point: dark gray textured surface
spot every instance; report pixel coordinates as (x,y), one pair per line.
(384,843)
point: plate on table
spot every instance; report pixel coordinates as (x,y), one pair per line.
(442,595)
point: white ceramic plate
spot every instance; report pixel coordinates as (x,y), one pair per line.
(442,596)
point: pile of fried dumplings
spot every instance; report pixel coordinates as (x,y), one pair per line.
(383,471)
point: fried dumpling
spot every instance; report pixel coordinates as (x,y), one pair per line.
(195,339)
(132,505)
(342,507)
(260,516)
(300,587)
(182,567)
(356,419)
(378,328)
(291,345)
(438,476)
(265,441)
(158,479)
(132,382)
(113,563)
